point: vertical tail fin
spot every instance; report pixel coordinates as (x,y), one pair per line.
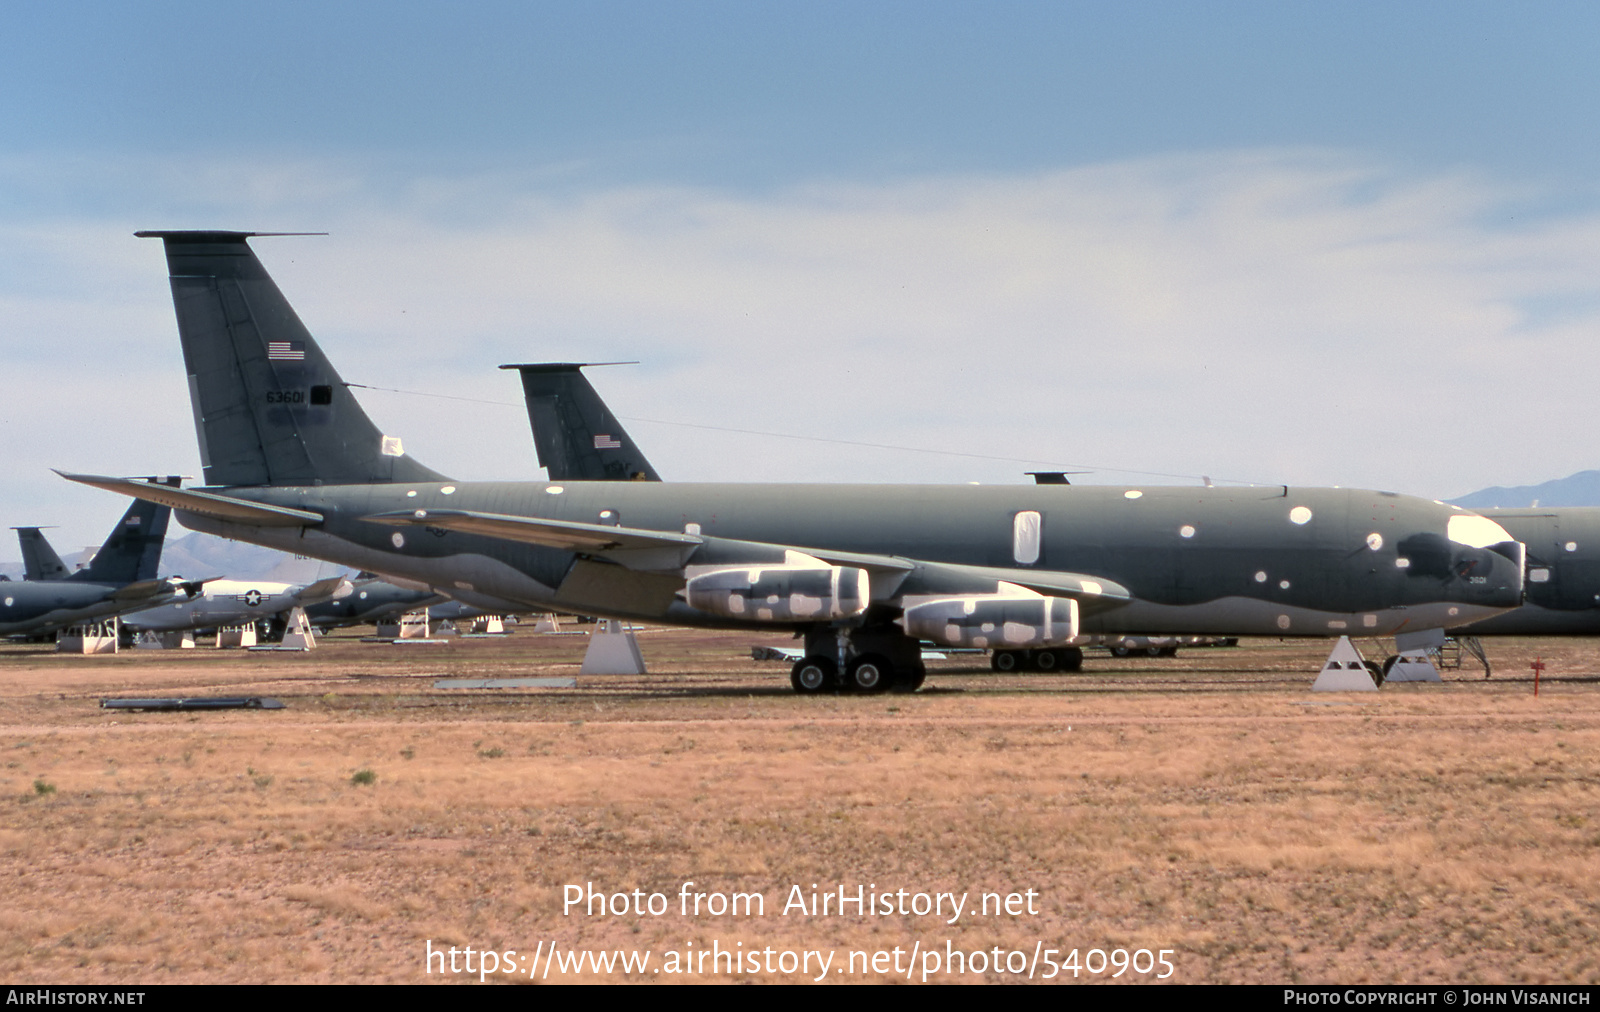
(577,436)
(39,558)
(269,408)
(133,551)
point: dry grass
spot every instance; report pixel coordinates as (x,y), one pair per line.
(1206,804)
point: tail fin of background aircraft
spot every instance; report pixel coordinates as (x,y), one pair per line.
(269,409)
(577,436)
(39,559)
(133,551)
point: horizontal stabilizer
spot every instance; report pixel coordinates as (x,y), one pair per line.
(324,590)
(206,504)
(148,590)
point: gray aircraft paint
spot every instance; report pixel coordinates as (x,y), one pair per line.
(575,434)
(120,579)
(371,600)
(1563,578)
(234,602)
(309,473)
(39,558)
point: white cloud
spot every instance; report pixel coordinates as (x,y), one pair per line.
(1304,317)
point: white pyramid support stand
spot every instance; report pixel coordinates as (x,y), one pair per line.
(613,650)
(489,625)
(177,639)
(89,638)
(1344,671)
(413,625)
(237,636)
(547,623)
(1413,666)
(298,635)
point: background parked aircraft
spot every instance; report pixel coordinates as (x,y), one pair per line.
(371,600)
(120,579)
(39,558)
(235,602)
(574,432)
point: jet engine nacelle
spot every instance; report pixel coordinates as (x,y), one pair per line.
(787,593)
(998,620)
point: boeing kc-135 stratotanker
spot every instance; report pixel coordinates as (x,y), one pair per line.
(863,572)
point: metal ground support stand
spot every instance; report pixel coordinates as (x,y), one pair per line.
(1346,670)
(1454,647)
(243,636)
(613,650)
(1412,666)
(90,638)
(298,635)
(413,625)
(1415,655)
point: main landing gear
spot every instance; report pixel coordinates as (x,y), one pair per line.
(1054,659)
(869,659)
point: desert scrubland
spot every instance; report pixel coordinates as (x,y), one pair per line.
(1207,804)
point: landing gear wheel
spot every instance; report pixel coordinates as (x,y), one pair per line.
(1389,663)
(909,679)
(1071,659)
(1120,651)
(1378,674)
(811,675)
(1007,660)
(1046,660)
(871,674)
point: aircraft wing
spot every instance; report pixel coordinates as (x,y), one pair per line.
(661,550)
(206,504)
(563,534)
(1047,582)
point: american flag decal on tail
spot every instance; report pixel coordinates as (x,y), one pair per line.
(286,351)
(605,442)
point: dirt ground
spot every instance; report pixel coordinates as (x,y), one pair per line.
(1205,810)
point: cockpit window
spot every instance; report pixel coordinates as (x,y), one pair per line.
(1476,531)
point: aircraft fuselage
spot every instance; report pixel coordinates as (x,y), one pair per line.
(35,608)
(1256,560)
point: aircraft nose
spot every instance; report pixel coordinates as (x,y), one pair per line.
(1495,576)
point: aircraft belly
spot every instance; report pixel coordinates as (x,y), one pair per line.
(1240,616)
(58,618)
(1533,620)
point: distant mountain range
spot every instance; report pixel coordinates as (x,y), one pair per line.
(1581,489)
(197,556)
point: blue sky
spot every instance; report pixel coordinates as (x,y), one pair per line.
(1316,243)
